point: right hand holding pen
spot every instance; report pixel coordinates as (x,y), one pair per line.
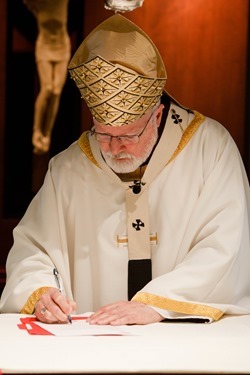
(54,307)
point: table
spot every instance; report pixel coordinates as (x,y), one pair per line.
(221,347)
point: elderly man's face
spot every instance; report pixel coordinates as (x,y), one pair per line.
(123,157)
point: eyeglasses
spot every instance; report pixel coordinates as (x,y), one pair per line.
(124,139)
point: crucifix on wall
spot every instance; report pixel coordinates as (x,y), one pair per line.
(52,54)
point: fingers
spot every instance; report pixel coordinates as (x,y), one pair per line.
(45,315)
(43,310)
(53,307)
(107,316)
(121,313)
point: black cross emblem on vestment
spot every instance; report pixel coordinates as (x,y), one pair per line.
(177,118)
(138,224)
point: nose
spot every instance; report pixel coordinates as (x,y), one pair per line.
(116,146)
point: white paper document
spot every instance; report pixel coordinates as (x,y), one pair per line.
(82,328)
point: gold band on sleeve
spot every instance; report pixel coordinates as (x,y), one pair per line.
(29,306)
(188,308)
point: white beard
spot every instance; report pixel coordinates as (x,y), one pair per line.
(131,163)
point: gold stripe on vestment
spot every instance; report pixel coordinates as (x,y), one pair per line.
(84,145)
(187,308)
(29,306)
(123,240)
(188,133)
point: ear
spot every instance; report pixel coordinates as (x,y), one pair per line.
(158,114)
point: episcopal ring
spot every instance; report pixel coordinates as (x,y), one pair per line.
(43,310)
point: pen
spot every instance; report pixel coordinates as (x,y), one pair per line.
(56,274)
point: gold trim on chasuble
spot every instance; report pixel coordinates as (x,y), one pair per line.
(188,133)
(187,308)
(84,145)
(29,306)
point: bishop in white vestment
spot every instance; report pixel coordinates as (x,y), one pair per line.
(173,234)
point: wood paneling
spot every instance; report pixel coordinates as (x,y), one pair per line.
(204,47)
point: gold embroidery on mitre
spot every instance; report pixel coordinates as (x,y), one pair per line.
(187,308)
(115,95)
(29,306)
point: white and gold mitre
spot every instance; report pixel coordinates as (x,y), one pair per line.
(119,72)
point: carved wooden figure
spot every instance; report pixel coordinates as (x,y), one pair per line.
(52,53)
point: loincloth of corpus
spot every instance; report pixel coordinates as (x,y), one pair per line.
(54,49)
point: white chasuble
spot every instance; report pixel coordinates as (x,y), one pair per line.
(195,207)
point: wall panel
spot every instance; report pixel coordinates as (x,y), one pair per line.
(204,47)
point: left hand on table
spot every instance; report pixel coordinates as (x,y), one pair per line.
(125,312)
